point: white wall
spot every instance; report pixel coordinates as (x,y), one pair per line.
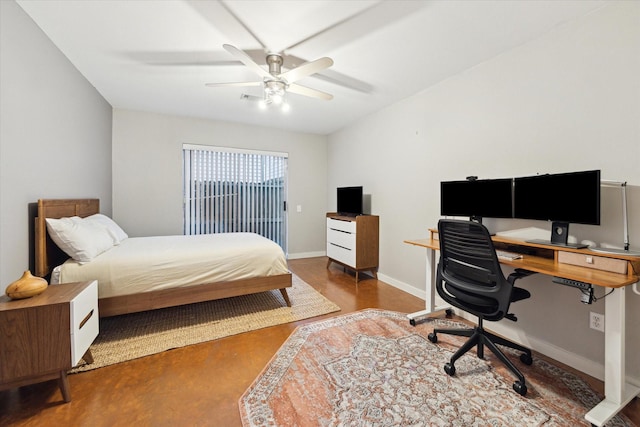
(147,172)
(55,134)
(567,101)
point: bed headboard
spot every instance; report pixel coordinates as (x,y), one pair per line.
(47,254)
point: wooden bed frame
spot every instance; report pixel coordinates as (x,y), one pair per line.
(48,256)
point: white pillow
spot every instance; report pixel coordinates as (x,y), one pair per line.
(118,233)
(81,240)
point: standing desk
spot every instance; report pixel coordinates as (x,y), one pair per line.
(581,265)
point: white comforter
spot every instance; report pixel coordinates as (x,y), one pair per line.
(142,264)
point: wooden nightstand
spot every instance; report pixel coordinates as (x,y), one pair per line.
(42,337)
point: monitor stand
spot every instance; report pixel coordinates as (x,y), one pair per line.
(565,245)
(559,237)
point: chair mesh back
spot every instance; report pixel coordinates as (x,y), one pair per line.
(468,251)
(469,273)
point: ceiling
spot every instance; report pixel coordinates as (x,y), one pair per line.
(157,55)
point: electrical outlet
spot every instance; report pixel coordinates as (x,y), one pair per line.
(596,321)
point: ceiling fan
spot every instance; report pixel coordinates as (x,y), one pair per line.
(275,82)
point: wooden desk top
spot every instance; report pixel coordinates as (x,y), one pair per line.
(549,265)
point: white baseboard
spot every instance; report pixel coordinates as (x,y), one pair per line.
(306,255)
(420,293)
(576,361)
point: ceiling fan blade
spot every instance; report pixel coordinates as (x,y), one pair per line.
(331,27)
(221,17)
(306,69)
(360,24)
(234,84)
(307,91)
(182,58)
(246,60)
(243,25)
(292,61)
(334,77)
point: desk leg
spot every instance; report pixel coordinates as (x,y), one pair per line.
(430,297)
(616,390)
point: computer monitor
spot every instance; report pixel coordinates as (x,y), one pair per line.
(477,199)
(562,198)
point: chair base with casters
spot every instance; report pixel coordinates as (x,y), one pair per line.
(480,337)
(469,277)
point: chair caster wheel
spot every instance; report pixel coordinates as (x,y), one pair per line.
(448,312)
(526,359)
(450,369)
(412,322)
(433,337)
(520,388)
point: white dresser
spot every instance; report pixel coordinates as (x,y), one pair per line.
(352,241)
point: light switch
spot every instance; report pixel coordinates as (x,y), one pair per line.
(299,208)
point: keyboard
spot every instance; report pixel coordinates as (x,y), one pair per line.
(510,256)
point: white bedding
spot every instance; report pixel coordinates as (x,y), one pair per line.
(142,264)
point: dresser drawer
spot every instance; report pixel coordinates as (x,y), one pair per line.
(84,321)
(341,238)
(346,226)
(344,255)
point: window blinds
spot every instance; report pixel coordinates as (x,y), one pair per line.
(232,190)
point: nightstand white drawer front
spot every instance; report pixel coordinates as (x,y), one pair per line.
(336,224)
(84,321)
(341,238)
(344,255)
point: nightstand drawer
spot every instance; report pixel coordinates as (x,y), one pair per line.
(84,321)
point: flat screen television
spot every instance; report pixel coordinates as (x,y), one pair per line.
(349,201)
(477,199)
(562,198)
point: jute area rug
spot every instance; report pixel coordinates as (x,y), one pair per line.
(371,368)
(135,335)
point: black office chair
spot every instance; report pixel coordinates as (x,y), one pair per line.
(469,277)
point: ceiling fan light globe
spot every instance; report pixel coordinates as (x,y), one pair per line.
(277,98)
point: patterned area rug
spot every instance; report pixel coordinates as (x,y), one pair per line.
(371,368)
(135,335)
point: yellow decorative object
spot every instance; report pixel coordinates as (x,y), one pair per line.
(27,286)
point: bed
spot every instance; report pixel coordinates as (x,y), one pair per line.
(163,289)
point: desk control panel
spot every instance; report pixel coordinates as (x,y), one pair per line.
(586,288)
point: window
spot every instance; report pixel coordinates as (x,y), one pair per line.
(231,190)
